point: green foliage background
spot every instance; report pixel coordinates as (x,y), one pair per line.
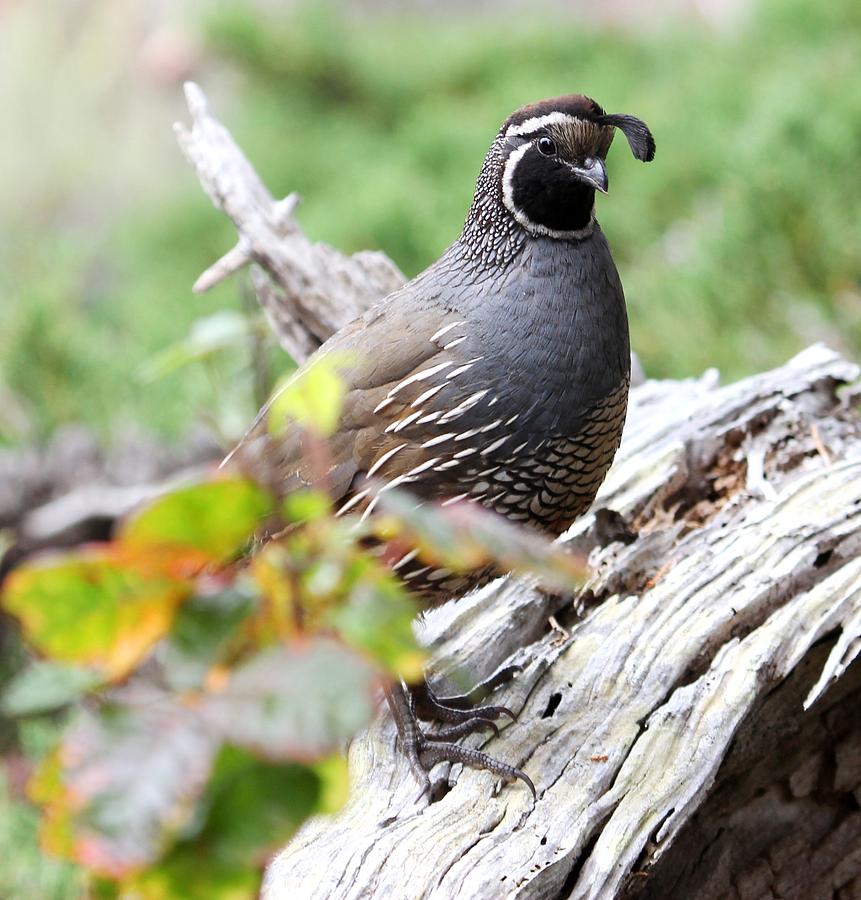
(737,246)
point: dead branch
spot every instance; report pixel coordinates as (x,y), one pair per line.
(315,290)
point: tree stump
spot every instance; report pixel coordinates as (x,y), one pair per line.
(690,719)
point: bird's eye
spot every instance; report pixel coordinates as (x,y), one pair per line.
(547,146)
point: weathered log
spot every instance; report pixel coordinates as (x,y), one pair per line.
(690,719)
(693,704)
(72,490)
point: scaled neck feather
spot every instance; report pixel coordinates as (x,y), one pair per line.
(492,234)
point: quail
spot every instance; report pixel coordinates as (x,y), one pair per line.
(497,376)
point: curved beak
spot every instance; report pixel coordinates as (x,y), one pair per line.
(593,172)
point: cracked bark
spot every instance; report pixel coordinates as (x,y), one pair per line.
(697,734)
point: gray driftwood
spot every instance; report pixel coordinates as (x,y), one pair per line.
(691,718)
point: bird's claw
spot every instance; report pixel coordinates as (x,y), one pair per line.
(475,759)
(423,752)
(464,707)
(468,726)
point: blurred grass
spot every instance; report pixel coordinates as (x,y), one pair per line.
(737,246)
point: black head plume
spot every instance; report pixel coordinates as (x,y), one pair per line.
(544,167)
(639,137)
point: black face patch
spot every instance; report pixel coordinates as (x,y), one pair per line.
(549,194)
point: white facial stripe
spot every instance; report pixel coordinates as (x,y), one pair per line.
(520,216)
(507,174)
(538,122)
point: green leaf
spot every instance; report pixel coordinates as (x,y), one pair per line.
(465,536)
(45,686)
(208,335)
(141,791)
(191,874)
(215,519)
(378,619)
(203,630)
(334,776)
(306,506)
(126,780)
(295,703)
(254,806)
(94,608)
(250,809)
(311,397)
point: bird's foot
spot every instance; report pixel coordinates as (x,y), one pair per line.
(424,751)
(462,708)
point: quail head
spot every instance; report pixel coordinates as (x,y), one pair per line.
(499,375)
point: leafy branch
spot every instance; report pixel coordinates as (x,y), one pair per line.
(218,654)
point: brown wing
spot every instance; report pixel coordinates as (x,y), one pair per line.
(403,362)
